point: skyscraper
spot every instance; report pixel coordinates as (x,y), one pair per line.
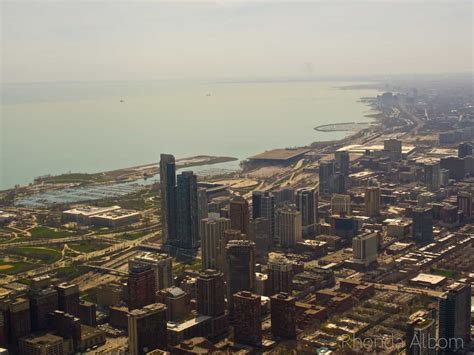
(66,326)
(280,274)
(342,162)
(339,184)
(68,298)
(465,204)
(394,148)
(365,248)
(431,176)
(141,286)
(161,264)
(455,317)
(283,316)
(247,318)
(263,205)
(213,244)
(372,201)
(187,203)
(18,319)
(326,176)
(307,204)
(210,300)
(288,227)
(87,313)
(239,214)
(422,225)
(464,149)
(284,195)
(42,303)
(341,204)
(455,165)
(168,198)
(210,293)
(203,210)
(345,227)
(240,255)
(147,329)
(421,330)
(260,234)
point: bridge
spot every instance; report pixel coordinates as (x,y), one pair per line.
(107,270)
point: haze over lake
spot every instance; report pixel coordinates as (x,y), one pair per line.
(53,128)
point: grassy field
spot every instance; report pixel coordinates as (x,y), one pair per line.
(48,233)
(88,247)
(133,235)
(445,273)
(45,255)
(15,267)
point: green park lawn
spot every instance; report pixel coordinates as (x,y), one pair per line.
(45,255)
(48,233)
(88,247)
(133,235)
(15,267)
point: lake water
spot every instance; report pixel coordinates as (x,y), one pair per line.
(53,128)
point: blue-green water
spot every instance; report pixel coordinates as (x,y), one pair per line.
(51,128)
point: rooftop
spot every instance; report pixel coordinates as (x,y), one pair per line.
(428,279)
(117,214)
(357,148)
(178,327)
(91,210)
(44,339)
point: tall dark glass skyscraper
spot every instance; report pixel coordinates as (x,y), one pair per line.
(464,149)
(240,255)
(422,225)
(307,204)
(342,162)
(326,176)
(263,205)
(455,317)
(168,198)
(187,203)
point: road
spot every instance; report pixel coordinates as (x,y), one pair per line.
(110,251)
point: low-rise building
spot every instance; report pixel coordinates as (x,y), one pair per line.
(90,337)
(43,344)
(113,216)
(200,326)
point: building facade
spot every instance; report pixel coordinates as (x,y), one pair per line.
(147,329)
(187,207)
(247,318)
(307,205)
(169,219)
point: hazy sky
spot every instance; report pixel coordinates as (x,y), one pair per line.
(132,40)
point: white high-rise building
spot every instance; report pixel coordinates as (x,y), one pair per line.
(289,228)
(365,248)
(212,241)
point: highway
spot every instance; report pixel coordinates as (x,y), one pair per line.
(82,258)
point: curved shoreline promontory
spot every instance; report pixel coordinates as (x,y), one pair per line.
(344,126)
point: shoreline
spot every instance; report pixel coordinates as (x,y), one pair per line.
(128,174)
(134,173)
